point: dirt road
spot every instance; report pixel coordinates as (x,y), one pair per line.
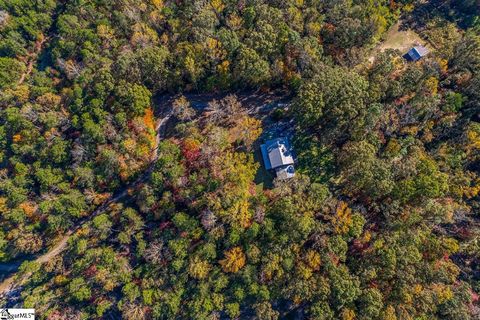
(13,281)
(257,103)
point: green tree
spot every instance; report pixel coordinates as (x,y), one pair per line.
(363,171)
(79,289)
(250,69)
(11,70)
(334,100)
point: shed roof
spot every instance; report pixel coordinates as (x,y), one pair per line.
(417,52)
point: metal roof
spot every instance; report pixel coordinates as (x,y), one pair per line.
(417,52)
(277,153)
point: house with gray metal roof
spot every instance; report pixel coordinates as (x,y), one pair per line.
(417,52)
(277,155)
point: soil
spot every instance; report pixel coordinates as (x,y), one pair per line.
(398,38)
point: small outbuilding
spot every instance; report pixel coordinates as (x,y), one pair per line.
(277,155)
(417,52)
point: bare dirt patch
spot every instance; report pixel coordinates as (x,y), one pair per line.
(398,38)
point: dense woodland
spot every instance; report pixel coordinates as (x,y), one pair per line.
(381,221)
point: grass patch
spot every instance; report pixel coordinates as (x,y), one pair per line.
(263,178)
(314,159)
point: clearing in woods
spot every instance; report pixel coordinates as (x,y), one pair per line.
(398,38)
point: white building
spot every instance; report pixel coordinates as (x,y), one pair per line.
(277,155)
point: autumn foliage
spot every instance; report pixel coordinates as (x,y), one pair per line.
(234,260)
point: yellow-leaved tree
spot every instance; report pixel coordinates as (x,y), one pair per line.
(198,268)
(342,219)
(234,260)
(312,259)
(246,130)
(237,171)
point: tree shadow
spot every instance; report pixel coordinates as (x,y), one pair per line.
(462,13)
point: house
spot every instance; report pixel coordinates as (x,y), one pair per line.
(277,155)
(417,52)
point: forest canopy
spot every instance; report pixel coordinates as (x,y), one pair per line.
(130,130)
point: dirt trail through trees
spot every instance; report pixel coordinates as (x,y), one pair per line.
(31,58)
(13,281)
(255,101)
